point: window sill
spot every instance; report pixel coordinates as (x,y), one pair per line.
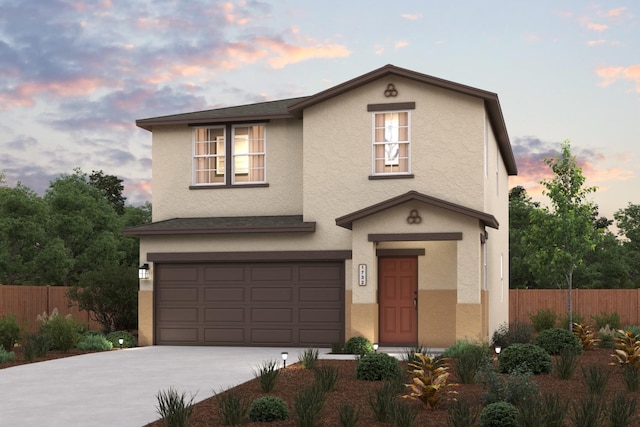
(214,187)
(405,176)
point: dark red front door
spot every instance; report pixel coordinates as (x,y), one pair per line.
(398,292)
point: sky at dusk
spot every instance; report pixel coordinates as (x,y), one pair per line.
(75,75)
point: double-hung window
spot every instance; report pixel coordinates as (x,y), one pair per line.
(229,155)
(391,140)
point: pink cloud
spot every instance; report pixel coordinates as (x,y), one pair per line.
(287,53)
(597,27)
(400,44)
(611,75)
(596,42)
(25,94)
(616,12)
(411,17)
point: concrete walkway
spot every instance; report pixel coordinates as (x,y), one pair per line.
(119,388)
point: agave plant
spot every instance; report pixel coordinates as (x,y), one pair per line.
(586,335)
(627,351)
(429,377)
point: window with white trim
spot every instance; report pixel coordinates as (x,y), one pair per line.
(243,144)
(391,140)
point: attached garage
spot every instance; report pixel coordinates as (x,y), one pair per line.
(288,303)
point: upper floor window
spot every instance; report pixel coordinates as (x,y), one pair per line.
(229,155)
(391,141)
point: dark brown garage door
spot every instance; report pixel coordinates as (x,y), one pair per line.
(253,304)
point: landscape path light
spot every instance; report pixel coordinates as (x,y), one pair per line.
(375,347)
(284,355)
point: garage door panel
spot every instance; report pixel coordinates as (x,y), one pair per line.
(236,294)
(315,315)
(178,274)
(224,315)
(320,273)
(272,315)
(227,336)
(272,273)
(179,335)
(271,294)
(321,294)
(224,274)
(240,303)
(178,315)
(182,294)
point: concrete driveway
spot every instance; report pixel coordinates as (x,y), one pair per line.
(119,388)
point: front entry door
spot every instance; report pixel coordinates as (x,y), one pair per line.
(398,297)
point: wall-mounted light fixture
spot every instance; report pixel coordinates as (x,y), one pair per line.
(143,271)
(284,355)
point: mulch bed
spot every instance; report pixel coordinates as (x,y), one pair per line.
(356,393)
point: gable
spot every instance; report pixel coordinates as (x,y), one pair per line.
(347,221)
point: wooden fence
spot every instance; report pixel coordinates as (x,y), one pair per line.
(27,302)
(586,302)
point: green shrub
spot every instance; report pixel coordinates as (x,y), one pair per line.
(621,410)
(326,377)
(530,356)
(563,320)
(517,333)
(515,388)
(378,367)
(607,337)
(543,319)
(10,331)
(403,415)
(35,346)
(631,378)
(382,401)
(232,407)
(348,416)
(128,340)
(308,358)
(457,348)
(565,364)
(557,339)
(550,411)
(499,414)
(6,356)
(634,329)
(469,360)
(595,379)
(267,375)
(95,342)
(587,412)
(461,414)
(64,332)
(308,404)
(267,409)
(358,345)
(174,408)
(409,354)
(605,319)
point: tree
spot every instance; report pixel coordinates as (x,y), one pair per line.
(564,233)
(85,221)
(628,222)
(520,213)
(28,254)
(110,293)
(111,187)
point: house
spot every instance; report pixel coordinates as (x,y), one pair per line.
(376,208)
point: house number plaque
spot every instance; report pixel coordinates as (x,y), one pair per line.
(362,274)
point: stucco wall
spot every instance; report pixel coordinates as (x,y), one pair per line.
(172,175)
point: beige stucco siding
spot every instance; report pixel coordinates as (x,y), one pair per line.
(172,176)
(496,190)
(446,151)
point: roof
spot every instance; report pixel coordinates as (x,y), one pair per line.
(225,225)
(294,107)
(347,221)
(260,111)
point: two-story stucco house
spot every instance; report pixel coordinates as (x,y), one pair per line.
(376,208)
